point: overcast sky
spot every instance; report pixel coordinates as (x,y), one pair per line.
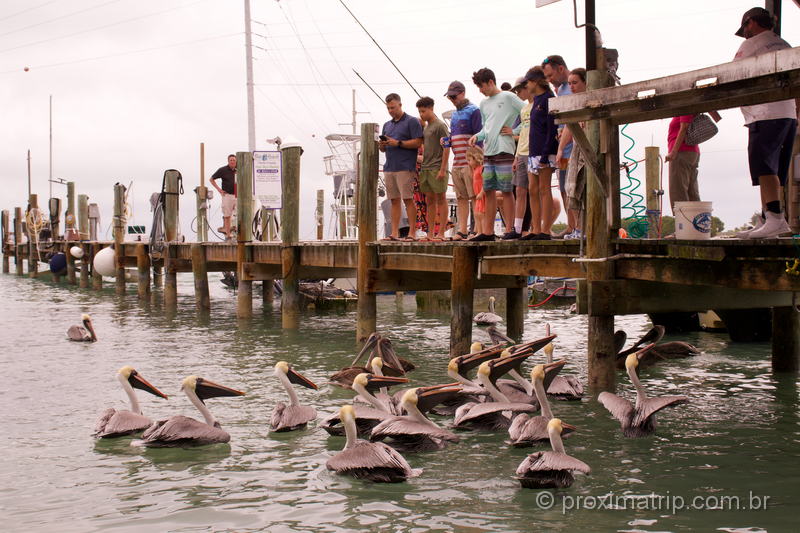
(138,85)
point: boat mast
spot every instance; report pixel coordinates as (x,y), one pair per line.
(248,44)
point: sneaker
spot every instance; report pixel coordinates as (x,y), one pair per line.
(746,233)
(543,237)
(774,226)
(530,237)
(420,235)
(511,235)
(481,237)
(575,235)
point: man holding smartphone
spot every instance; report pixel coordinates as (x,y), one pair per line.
(400,139)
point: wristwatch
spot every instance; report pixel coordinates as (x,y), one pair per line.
(399,144)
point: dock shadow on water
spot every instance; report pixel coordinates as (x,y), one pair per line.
(737,436)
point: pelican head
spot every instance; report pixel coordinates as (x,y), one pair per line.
(410,397)
(129,374)
(205,389)
(284,368)
(632,361)
(347,413)
(376,364)
(548,349)
(475,347)
(556,425)
(452,366)
(484,370)
(505,353)
(372,382)
(537,374)
(86,318)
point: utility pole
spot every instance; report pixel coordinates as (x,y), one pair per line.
(29,173)
(50,179)
(251,114)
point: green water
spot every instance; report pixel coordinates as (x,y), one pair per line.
(738,436)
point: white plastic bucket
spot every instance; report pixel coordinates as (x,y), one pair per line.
(693,220)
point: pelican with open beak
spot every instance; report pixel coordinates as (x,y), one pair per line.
(183,431)
(561,387)
(376,346)
(551,469)
(292,416)
(528,430)
(366,417)
(83,333)
(113,423)
(361,459)
(638,420)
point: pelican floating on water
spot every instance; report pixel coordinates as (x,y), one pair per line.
(183,431)
(361,459)
(366,417)
(113,423)
(638,420)
(292,416)
(528,430)
(376,346)
(415,431)
(551,469)
(496,414)
(83,333)
(489,318)
(659,352)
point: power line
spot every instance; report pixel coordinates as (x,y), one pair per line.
(59,18)
(12,15)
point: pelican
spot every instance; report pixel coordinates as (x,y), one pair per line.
(415,431)
(526,430)
(83,333)
(457,369)
(292,416)
(498,337)
(489,318)
(361,459)
(375,345)
(637,420)
(366,418)
(183,431)
(562,387)
(496,414)
(659,352)
(113,423)
(551,469)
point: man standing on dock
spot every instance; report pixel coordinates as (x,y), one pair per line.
(771,127)
(401,138)
(228,192)
(433,173)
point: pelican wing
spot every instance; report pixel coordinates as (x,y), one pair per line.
(345,376)
(78,333)
(620,408)
(366,419)
(526,429)
(516,393)
(289,417)
(113,423)
(565,386)
(471,411)
(675,350)
(487,318)
(550,461)
(371,460)
(399,426)
(497,337)
(183,431)
(652,405)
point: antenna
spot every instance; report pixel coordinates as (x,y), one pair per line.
(354,123)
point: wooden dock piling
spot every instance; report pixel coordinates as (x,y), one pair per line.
(290,236)
(200,273)
(33,235)
(97,279)
(367,231)
(6,233)
(172,191)
(143,272)
(462,294)
(320,214)
(652,166)
(119,237)
(18,253)
(83,217)
(516,308)
(83,282)
(785,339)
(202,200)
(244,231)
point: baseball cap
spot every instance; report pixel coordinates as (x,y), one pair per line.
(534,74)
(519,83)
(760,15)
(455,88)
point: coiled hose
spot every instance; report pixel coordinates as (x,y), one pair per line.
(638,217)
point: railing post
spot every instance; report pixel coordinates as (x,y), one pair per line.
(290,235)
(367,230)
(83,217)
(244,233)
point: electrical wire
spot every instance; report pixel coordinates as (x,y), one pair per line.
(12,15)
(84,10)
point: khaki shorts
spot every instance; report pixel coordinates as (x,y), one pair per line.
(429,183)
(399,184)
(462,182)
(228,205)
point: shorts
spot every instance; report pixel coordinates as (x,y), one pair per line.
(429,183)
(769,148)
(562,178)
(462,182)
(399,184)
(228,204)
(535,160)
(497,172)
(520,178)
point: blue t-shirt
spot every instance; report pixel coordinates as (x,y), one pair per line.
(405,129)
(564,90)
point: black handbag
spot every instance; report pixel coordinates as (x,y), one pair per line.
(700,130)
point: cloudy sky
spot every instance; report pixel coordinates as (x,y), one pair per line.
(138,85)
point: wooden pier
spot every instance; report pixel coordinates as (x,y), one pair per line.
(618,276)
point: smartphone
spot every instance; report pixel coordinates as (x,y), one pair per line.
(383,138)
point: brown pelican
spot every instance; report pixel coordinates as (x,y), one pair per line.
(183,431)
(498,337)
(659,352)
(415,431)
(83,333)
(361,459)
(458,369)
(113,423)
(489,318)
(551,469)
(526,430)
(637,420)
(376,346)
(292,416)
(562,387)
(366,418)
(496,414)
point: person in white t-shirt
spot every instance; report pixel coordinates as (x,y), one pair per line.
(772,128)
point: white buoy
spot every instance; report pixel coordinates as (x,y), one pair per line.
(104,262)
(76,252)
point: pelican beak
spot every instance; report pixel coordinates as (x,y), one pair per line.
(299,379)
(208,389)
(555,364)
(376,382)
(565,426)
(641,353)
(138,382)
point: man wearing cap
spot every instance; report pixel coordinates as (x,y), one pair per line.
(772,129)
(464,123)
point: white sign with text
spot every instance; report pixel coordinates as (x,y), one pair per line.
(267,179)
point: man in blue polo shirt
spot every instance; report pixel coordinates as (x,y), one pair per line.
(401,138)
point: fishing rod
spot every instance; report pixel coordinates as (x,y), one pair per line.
(368,85)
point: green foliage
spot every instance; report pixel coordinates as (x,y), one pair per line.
(558,227)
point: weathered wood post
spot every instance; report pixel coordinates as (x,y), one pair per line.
(54,207)
(244,231)
(602,374)
(143,272)
(172,191)
(83,217)
(516,306)
(97,279)
(84,279)
(119,236)
(320,213)
(290,234)
(367,230)
(69,232)
(785,339)
(200,273)
(652,174)
(18,253)
(6,233)
(462,293)
(34,215)
(202,200)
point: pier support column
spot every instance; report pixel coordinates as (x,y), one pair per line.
(462,294)
(97,279)
(6,219)
(267,293)
(69,233)
(84,279)
(244,231)
(18,254)
(651,193)
(33,237)
(785,339)
(170,278)
(143,271)
(200,272)
(158,276)
(516,306)
(366,215)
(290,235)
(119,236)
(171,193)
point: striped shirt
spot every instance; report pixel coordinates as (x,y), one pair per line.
(464,123)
